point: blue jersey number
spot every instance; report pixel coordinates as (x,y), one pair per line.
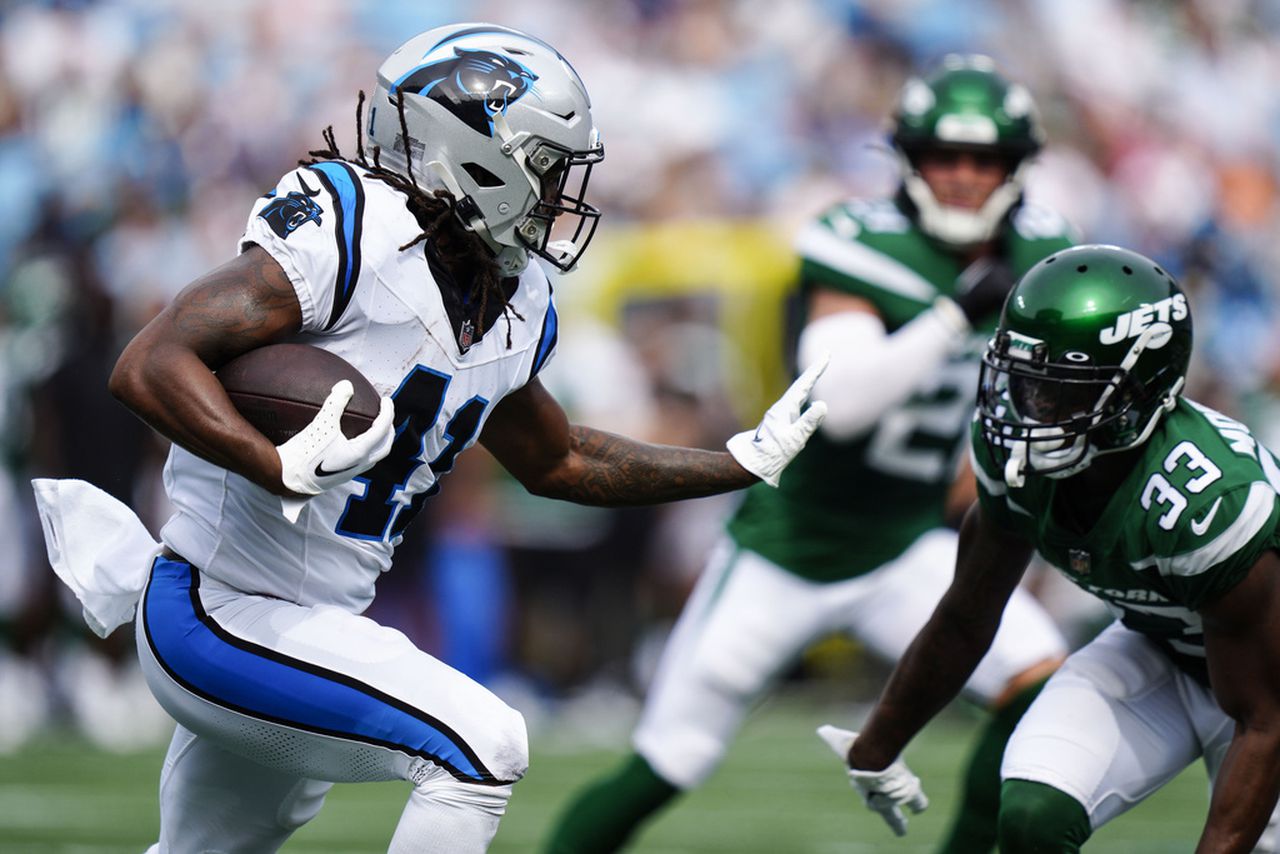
(380,510)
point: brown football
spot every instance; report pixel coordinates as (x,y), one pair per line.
(279,389)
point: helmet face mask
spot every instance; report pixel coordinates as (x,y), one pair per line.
(563,177)
(488,112)
(964,106)
(1058,416)
(1089,355)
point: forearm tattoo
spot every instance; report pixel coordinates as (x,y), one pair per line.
(616,471)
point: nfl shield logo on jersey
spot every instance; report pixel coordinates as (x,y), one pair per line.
(1079,561)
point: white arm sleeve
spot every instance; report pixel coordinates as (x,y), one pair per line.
(871,371)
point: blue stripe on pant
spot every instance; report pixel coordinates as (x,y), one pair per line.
(250,679)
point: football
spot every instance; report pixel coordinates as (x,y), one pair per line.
(279,389)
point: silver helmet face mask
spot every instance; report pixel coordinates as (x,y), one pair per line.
(500,120)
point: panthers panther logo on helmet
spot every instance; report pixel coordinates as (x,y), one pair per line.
(500,120)
(286,215)
(474,85)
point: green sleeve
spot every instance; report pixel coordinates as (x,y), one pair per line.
(872,250)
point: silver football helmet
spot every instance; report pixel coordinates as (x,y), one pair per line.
(500,120)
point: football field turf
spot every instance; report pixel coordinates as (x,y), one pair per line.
(779,792)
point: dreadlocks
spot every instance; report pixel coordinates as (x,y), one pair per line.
(458,248)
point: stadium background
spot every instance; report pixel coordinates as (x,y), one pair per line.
(135,133)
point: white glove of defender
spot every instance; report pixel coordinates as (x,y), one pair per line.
(885,792)
(767,450)
(319,457)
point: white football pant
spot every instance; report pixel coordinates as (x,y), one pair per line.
(276,701)
(1115,723)
(747,620)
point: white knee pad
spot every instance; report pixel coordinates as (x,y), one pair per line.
(1115,723)
(507,754)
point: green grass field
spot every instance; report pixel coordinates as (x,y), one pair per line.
(779,792)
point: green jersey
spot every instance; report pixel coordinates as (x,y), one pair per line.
(847,507)
(1188,522)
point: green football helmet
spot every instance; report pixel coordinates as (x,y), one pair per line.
(1091,351)
(964,104)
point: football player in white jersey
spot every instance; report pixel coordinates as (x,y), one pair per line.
(411,262)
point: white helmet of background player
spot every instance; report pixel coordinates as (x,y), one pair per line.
(965,105)
(500,120)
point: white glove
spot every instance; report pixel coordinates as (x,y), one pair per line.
(885,792)
(319,457)
(767,450)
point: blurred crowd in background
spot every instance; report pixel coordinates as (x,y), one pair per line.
(134,135)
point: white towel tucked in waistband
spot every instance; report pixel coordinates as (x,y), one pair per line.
(98,547)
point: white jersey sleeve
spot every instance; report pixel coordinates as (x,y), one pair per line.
(311,225)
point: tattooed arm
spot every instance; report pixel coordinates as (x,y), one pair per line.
(165,375)
(530,435)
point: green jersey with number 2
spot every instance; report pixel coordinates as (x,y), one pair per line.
(1187,523)
(847,507)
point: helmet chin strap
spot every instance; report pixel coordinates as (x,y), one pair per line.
(1167,405)
(1015,467)
(958,226)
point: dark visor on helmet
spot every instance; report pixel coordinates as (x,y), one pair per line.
(1026,400)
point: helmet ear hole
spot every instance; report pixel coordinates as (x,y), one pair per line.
(482,176)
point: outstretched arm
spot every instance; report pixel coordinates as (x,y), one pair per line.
(165,374)
(949,647)
(530,435)
(1243,651)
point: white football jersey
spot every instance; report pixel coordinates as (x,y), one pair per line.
(336,232)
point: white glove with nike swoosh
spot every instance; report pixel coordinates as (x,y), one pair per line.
(885,792)
(767,450)
(319,457)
